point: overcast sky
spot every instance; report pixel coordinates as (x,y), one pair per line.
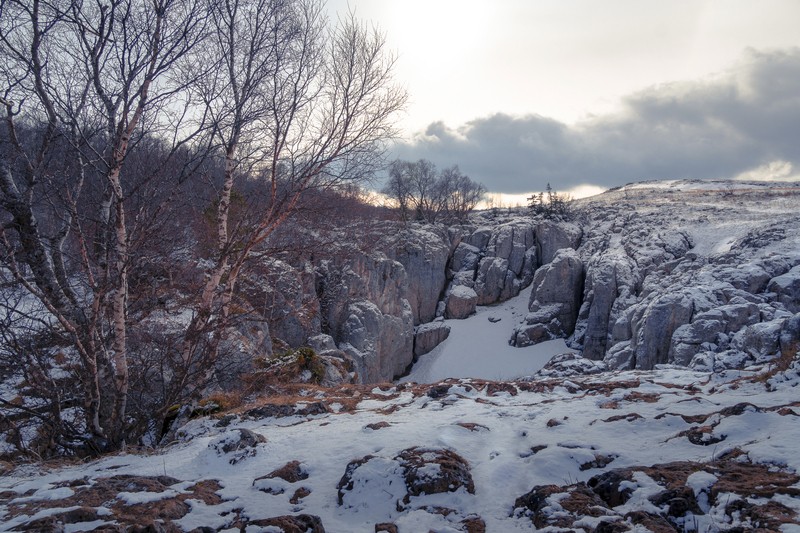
(519,93)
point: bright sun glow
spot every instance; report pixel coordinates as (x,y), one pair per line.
(499,199)
(773,171)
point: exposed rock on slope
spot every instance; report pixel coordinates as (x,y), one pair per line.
(786,288)
(286,297)
(364,305)
(429,336)
(554,301)
(461,302)
(610,286)
(418,472)
(424,252)
(686,273)
(554,236)
(495,261)
(667,497)
(369,295)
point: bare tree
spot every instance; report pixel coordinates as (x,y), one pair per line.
(108,106)
(296,105)
(420,192)
(415,189)
(460,194)
(84,81)
(399,189)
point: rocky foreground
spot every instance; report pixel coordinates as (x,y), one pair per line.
(666,450)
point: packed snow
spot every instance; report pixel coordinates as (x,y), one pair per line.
(478,347)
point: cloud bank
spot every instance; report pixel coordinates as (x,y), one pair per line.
(732,125)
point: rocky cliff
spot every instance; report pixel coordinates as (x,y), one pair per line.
(704,274)
(382,299)
(688,273)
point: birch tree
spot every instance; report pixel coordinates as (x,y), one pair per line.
(280,99)
(296,104)
(88,79)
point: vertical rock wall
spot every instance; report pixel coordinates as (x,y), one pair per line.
(365,309)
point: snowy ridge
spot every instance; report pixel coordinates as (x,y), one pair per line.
(668,264)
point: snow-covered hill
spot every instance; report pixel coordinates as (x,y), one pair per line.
(688,272)
(683,413)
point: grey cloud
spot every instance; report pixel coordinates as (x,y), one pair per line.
(706,129)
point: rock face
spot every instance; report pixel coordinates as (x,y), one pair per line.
(243,344)
(674,321)
(555,300)
(787,289)
(461,302)
(554,236)
(610,284)
(654,332)
(498,259)
(648,276)
(374,296)
(286,296)
(495,261)
(424,252)
(365,293)
(790,335)
(508,263)
(429,336)
(364,306)
(663,285)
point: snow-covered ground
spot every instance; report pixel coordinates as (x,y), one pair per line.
(512,437)
(478,347)
(716,213)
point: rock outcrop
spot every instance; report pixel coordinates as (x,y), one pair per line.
(411,473)
(610,286)
(461,302)
(365,309)
(424,252)
(554,302)
(285,295)
(553,236)
(787,289)
(643,277)
(660,288)
(429,336)
(364,294)
(495,261)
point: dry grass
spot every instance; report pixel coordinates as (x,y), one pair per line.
(787,356)
(103,493)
